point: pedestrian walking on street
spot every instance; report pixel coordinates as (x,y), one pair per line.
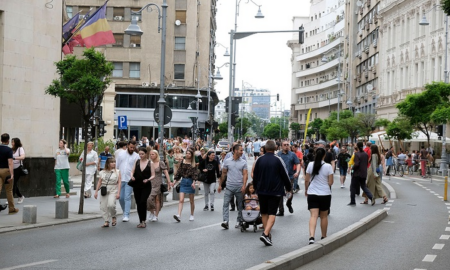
(103,157)
(270,179)
(423,161)
(170,158)
(343,158)
(359,175)
(91,168)
(62,167)
(18,157)
(187,175)
(318,182)
(290,160)
(235,171)
(7,172)
(373,176)
(125,163)
(155,200)
(110,179)
(142,175)
(210,166)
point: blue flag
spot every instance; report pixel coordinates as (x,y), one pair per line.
(69,26)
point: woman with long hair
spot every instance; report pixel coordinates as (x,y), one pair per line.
(210,166)
(187,175)
(155,200)
(91,168)
(109,178)
(62,167)
(170,161)
(18,157)
(318,182)
(142,174)
(373,177)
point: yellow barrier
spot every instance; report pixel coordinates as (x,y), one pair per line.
(445,188)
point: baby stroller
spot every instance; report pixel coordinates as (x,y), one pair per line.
(250,217)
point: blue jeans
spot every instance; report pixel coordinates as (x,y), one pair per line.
(296,186)
(125,198)
(229,192)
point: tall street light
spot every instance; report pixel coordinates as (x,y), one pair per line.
(134,30)
(424,22)
(325,60)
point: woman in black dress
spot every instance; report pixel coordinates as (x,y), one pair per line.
(142,173)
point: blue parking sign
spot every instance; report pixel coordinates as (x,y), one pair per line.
(122,122)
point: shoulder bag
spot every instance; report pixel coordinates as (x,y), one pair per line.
(22,169)
(103,189)
(202,176)
(131,183)
(164,187)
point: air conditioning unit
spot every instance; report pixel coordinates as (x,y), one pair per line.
(133,45)
(172,85)
(118,18)
(145,84)
(154,84)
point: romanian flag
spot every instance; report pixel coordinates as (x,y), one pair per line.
(96,30)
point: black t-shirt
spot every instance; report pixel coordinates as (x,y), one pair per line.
(343,159)
(5,154)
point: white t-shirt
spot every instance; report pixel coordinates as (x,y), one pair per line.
(319,185)
(62,159)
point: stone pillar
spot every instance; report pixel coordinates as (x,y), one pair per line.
(62,209)
(29,214)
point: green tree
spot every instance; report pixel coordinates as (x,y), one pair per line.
(223,127)
(400,129)
(350,125)
(366,124)
(419,108)
(382,122)
(84,82)
(295,127)
(445,4)
(246,124)
(272,131)
(315,126)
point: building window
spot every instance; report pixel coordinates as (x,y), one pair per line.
(118,11)
(179,71)
(135,70)
(135,41)
(119,40)
(69,11)
(180,43)
(118,69)
(180,15)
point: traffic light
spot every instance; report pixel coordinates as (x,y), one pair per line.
(278,97)
(439,130)
(101,128)
(207,127)
(227,104)
(301,34)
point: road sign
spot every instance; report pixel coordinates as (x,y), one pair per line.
(122,122)
(167,115)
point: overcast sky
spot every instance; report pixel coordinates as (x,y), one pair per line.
(262,60)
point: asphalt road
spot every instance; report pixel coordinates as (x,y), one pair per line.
(201,244)
(413,236)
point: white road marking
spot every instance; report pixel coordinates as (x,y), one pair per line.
(428,189)
(391,201)
(448,207)
(438,246)
(447,229)
(429,258)
(387,208)
(440,197)
(419,269)
(444,237)
(389,204)
(204,227)
(447,203)
(28,265)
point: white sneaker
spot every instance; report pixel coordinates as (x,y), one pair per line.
(150,217)
(21,199)
(238,225)
(155,218)
(342,186)
(177,217)
(191,218)
(126,219)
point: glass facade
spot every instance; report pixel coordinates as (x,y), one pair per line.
(261,106)
(150,102)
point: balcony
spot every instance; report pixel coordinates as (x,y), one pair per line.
(366,49)
(320,51)
(314,70)
(315,87)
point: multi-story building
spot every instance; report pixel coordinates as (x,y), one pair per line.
(220,115)
(316,64)
(30,44)
(254,100)
(411,55)
(190,42)
(361,55)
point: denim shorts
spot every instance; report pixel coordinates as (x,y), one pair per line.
(186,186)
(343,171)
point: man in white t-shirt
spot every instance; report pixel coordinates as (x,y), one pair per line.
(124,162)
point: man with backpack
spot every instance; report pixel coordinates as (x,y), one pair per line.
(343,159)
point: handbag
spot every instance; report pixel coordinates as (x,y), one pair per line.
(170,170)
(177,188)
(80,165)
(378,170)
(131,183)
(103,189)
(202,176)
(22,169)
(163,187)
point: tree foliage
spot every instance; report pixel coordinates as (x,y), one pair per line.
(366,123)
(445,4)
(400,129)
(382,122)
(84,82)
(223,127)
(272,131)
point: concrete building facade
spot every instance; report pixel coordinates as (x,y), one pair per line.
(190,42)
(29,47)
(316,64)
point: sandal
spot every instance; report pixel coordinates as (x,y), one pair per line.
(67,195)
(385,200)
(142,225)
(105,225)
(364,202)
(56,196)
(114,221)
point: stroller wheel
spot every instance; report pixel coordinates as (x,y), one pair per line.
(242,229)
(255,228)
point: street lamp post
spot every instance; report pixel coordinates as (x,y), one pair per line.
(424,22)
(134,30)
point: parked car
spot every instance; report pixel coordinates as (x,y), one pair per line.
(222,146)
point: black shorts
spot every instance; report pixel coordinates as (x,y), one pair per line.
(268,204)
(321,202)
(256,154)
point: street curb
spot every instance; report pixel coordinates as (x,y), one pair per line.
(307,254)
(392,194)
(67,221)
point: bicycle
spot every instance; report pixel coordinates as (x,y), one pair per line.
(401,166)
